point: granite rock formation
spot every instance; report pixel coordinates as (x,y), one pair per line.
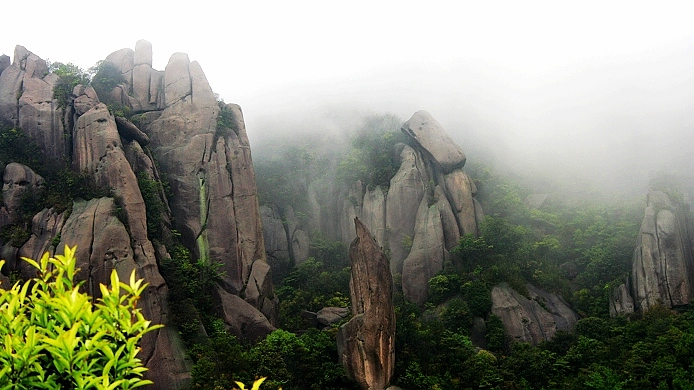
(531,319)
(428,206)
(366,344)
(169,124)
(663,263)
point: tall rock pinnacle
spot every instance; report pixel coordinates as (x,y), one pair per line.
(367,342)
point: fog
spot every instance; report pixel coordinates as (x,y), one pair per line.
(589,94)
(609,124)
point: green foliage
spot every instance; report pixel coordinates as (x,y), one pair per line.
(311,286)
(151,191)
(496,334)
(290,361)
(432,353)
(107,77)
(298,362)
(56,338)
(457,316)
(372,158)
(16,146)
(443,287)
(15,235)
(69,76)
(226,121)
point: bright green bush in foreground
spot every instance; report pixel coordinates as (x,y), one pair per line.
(52,336)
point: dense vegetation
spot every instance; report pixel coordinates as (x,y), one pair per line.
(578,248)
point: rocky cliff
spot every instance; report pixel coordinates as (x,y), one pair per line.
(421,216)
(168,127)
(663,263)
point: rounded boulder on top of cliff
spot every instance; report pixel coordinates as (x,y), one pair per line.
(428,133)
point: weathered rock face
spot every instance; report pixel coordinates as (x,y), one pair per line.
(17,181)
(210,170)
(275,238)
(663,265)
(26,100)
(366,344)
(531,320)
(426,256)
(209,166)
(406,191)
(621,301)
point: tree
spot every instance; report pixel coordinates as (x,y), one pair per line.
(55,337)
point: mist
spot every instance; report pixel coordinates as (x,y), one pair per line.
(589,94)
(604,125)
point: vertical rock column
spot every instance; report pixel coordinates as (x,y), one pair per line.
(366,344)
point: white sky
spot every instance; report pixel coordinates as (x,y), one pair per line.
(562,74)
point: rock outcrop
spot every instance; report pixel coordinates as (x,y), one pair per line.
(531,320)
(198,144)
(663,265)
(366,344)
(418,219)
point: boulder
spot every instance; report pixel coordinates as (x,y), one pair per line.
(258,285)
(241,318)
(10,90)
(30,62)
(130,132)
(366,344)
(86,99)
(124,60)
(531,320)
(621,301)
(300,246)
(435,143)
(328,316)
(102,241)
(98,150)
(565,318)
(143,53)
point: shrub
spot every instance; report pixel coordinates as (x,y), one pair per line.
(107,77)
(69,75)
(56,338)
(372,158)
